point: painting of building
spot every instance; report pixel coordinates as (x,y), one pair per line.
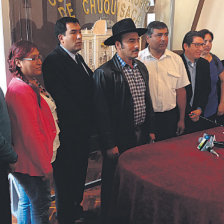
(94,52)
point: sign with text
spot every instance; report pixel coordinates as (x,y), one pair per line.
(119,9)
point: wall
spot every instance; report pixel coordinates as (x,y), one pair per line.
(212,18)
(5,41)
(183,18)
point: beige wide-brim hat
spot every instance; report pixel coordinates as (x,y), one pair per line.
(121,27)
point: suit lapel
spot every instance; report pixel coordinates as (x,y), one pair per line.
(73,67)
(186,66)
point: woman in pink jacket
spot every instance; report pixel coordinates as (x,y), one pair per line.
(34,128)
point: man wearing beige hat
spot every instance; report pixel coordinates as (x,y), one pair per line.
(123,108)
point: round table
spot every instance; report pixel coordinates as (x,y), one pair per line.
(170,182)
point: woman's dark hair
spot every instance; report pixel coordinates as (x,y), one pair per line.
(20,50)
(204,32)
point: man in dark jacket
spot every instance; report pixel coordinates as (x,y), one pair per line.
(7,156)
(123,108)
(69,81)
(198,71)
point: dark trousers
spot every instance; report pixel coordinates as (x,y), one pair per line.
(69,180)
(5,210)
(108,171)
(166,124)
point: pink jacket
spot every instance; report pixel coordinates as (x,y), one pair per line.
(33,129)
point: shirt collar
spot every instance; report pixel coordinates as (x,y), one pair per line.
(190,63)
(73,56)
(166,54)
(123,63)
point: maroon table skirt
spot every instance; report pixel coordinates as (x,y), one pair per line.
(170,182)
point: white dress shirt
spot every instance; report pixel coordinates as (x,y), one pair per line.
(166,74)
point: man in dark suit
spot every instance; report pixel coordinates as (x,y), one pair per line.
(123,108)
(198,71)
(69,80)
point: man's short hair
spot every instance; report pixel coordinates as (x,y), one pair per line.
(188,38)
(60,26)
(155,25)
(204,32)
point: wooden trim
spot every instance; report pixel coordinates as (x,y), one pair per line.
(197,15)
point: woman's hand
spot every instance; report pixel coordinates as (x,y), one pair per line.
(195,115)
(220,109)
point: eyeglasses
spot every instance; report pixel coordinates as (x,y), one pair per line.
(34,58)
(197,45)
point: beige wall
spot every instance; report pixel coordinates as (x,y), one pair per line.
(162,10)
(183,18)
(5,41)
(212,18)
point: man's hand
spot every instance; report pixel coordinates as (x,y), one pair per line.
(180,127)
(220,109)
(194,115)
(113,153)
(152,137)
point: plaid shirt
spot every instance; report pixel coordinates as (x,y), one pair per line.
(137,87)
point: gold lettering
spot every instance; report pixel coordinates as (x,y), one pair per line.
(128,14)
(93,6)
(70,10)
(100,9)
(61,11)
(122,10)
(84,8)
(107,10)
(113,12)
(52,3)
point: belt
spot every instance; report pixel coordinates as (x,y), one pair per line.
(168,111)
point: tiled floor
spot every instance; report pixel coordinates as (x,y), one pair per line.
(91,201)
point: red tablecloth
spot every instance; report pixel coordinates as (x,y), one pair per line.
(170,182)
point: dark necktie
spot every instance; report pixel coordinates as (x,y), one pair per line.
(79,62)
